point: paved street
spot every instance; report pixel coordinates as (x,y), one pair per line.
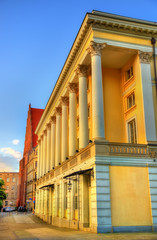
(28,226)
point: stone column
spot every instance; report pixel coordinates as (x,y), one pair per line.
(98,130)
(83,106)
(58,136)
(39,160)
(45,151)
(41,168)
(64,101)
(147,96)
(48,146)
(72,119)
(53,145)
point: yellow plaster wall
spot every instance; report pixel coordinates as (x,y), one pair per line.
(135,84)
(113,106)
(130,203)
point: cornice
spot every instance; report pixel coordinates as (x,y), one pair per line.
(123,24)
(107,22)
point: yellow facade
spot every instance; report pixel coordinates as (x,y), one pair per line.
(130,202)
(97,143)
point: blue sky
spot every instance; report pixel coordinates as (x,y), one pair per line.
(35,39)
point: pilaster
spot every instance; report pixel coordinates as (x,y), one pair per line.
(153,195)
(101,203)
(147,96)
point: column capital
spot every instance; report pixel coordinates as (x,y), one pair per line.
(58,111)
(145,57)
(65,101)
(48,125)
(81,70)
(44,132)
(72,87)
(95,48)
(53,119)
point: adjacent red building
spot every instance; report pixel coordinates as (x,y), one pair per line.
(33,117)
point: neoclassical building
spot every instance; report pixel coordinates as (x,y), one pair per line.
(97,144)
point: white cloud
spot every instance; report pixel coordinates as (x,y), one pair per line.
(15,141)
(8,164)
(11,152)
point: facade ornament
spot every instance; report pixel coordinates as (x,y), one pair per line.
(152,154)
(53,119)
(65,101)
(45,132)
(145,57)
(58,111)
(48,125)
(72,87)
(81,70)
(95,48)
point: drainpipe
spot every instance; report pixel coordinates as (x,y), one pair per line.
(153,41)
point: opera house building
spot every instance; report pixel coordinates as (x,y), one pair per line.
(97,137)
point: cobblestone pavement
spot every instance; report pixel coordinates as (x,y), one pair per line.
(27,226)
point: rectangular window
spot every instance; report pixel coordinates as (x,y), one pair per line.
(129,74)
(132,137)
(131,100)
(7,179)
(7,187)
(13,179)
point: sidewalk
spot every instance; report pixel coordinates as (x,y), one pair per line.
(28,226)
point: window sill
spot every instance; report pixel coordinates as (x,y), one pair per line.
(130,109)
(128,82)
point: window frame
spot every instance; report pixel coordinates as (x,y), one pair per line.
(128,132)
(133,100)
(131,69)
